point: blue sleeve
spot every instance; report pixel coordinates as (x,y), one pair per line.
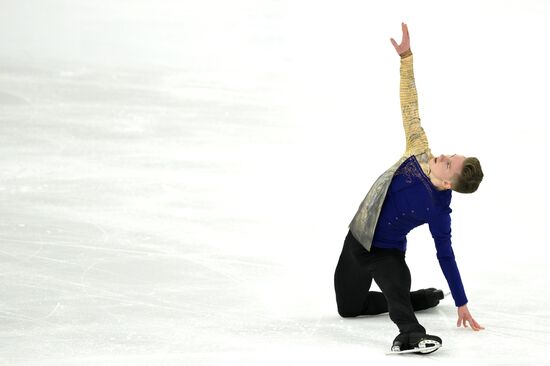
(440,227)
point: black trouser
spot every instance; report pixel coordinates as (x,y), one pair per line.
(353,277)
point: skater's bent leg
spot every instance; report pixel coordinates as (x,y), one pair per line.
(351,281)
(421,300)
(392,275)
(375,303)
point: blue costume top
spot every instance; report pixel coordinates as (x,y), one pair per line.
(412,200)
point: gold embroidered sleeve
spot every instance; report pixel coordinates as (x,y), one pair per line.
(415,137)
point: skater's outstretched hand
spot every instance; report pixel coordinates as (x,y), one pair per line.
(405,42)
(464,317)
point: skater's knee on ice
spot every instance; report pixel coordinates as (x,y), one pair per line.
(347,313)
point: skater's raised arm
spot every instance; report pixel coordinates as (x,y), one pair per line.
(415,137)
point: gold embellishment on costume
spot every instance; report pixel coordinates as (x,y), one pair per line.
(410,169)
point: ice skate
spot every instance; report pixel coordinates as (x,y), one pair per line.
(415,343)
(438,294)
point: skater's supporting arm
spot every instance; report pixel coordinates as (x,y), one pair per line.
(415,137)
(440,227)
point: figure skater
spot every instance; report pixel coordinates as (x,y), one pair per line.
(413,191)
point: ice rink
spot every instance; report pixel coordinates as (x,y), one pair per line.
(177,177)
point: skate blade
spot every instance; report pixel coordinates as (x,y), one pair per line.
(424,347)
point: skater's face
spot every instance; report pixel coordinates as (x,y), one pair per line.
(445,167)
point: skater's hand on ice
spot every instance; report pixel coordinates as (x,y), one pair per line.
(464,317)
(405,43)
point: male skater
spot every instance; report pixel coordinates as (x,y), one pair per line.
(414,191)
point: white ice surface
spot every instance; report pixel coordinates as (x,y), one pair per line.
(177,177)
